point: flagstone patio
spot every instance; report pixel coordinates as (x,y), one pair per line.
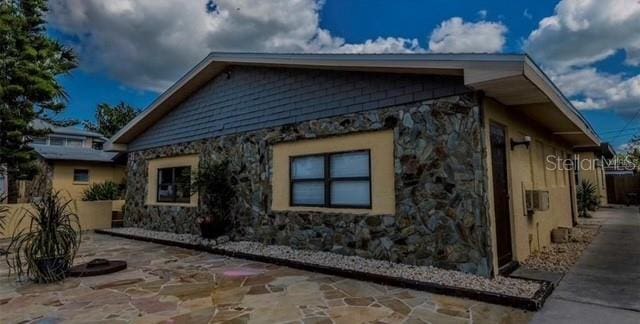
(174,285)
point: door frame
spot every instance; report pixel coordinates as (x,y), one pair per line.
(510,265)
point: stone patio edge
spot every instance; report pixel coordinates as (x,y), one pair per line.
(532,304)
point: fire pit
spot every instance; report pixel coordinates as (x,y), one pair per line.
(97,267)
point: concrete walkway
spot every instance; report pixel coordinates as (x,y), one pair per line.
(604,286)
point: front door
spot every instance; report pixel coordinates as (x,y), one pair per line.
(501,194)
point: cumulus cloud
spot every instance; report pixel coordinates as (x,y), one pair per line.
(598,90)
(148,44)
(455,36)
(582,32)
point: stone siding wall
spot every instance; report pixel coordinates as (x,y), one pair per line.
(441,215)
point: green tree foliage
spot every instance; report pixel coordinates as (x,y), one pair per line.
(107,190)
(30,62)
(110,119)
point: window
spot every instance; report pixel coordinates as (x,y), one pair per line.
(174,184)
(58,141)
(39,140)
(73,142)
(336,180)
(80,175)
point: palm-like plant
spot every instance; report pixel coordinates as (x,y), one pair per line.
(45,249)
(107,190)
(587,198)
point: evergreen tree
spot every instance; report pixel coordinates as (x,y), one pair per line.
(30,62)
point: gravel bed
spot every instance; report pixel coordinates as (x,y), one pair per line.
(183,238)
(429,274)
(559,257)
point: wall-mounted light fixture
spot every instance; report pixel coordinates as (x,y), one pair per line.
(526,141)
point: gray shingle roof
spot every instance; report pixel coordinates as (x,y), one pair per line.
(51,152)
(70,130)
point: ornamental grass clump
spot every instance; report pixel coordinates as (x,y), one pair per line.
(587,198)
(46,239)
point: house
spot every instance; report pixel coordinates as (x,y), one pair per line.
(427,159)
(70,160)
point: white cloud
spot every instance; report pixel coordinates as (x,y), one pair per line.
(148,44)
(456,36)
(482,14)
(598,90)
(527,14)
(582,32)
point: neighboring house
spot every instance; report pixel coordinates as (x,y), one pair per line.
(424,159)
(71,160)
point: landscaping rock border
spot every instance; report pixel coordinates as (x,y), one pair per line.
(532,293)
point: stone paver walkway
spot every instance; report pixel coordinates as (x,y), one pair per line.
(171,285)
(604,286)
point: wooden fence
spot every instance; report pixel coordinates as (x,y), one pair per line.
(623,188)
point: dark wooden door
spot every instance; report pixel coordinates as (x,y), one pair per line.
(501,194)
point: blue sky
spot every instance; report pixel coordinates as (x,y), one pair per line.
(131,50)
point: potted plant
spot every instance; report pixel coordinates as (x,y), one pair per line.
(212,182)
(44,249)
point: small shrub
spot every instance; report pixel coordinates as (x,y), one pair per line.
(587,198)
(108,190)
(212,182)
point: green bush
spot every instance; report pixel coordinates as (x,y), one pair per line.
(587,198)
(108,190)
(212,182)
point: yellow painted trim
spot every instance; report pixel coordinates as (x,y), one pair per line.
(169,162)
(381,146)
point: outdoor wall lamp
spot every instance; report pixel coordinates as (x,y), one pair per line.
(525,141)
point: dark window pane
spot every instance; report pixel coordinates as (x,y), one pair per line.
(351,193)
(80,175)
(352,164)
(165,176)
(58,141)
(308,193)
(174,184)
(166,192)
(72,142)
(39,140)
(308,167)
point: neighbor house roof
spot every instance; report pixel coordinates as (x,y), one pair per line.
(69,130)
(52,152)
(512,79)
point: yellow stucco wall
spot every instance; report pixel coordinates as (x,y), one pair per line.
(594,173)
(169,162)
(526,170)
(91,214)
(98,173)
(381,146)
